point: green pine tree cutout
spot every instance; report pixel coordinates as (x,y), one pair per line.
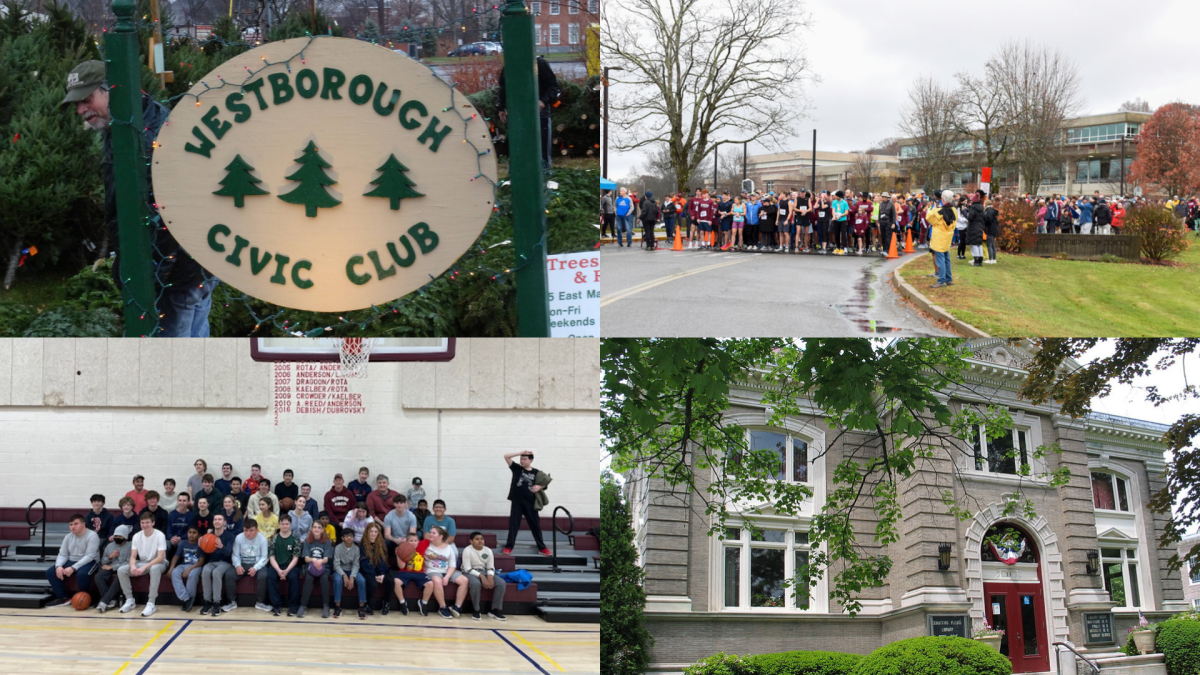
(393,184)
(312,178)
(239,182)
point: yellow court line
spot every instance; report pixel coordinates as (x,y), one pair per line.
(138,652)
(621,295)
(530,645)
(324,635)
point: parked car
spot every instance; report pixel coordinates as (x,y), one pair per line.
(473,49)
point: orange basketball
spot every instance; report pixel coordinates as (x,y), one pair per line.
(81,601)
(208,543)
(406,550)
(286,504)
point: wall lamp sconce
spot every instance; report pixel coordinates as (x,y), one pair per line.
(1093,566)
(943,557)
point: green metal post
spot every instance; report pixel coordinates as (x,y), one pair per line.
(525,170)
(129,169)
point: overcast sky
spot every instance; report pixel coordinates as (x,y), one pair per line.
(868,53)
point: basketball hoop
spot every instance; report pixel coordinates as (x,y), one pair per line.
(353,354)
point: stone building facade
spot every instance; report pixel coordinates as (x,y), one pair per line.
(1191,572)
(1088,562)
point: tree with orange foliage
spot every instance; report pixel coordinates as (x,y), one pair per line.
(1168,153)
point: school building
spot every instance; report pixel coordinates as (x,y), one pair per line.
(1081,570)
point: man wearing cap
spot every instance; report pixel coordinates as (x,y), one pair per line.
(186,294)
(338,502)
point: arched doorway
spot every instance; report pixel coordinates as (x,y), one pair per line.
(1013,596)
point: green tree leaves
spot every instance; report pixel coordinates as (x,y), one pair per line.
(624,640)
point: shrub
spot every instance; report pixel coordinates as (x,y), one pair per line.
(934,656)
(1162,234)
(1179,641)
(721,664)
(805,663)
(14,319)
(574,119)
(625,642)
(475,73)
(1018,226)
(1110,258)
(64,321)
(1061,255)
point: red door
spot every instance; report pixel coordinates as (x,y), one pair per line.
(1018,610)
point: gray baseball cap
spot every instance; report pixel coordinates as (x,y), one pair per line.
(83,80)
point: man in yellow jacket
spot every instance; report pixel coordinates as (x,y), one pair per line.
(942,222)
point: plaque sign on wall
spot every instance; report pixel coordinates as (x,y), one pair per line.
(324,174)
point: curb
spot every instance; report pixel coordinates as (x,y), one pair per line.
(927,305)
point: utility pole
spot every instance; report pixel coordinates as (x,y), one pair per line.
(604,155)
(743,162)
(1122,165)
(814,164)
(716,168)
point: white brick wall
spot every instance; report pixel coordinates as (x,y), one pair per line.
(79,416)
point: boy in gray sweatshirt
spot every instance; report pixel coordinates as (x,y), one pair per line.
(115,555)
(249,557)
(76,557)
(479,563)
(345,567)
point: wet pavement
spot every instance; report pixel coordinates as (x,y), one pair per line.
(753,294)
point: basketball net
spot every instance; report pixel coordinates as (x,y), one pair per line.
(354,354)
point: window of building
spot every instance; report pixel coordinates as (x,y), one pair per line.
(537,35)
(1121,576)
(1101,133)
(572,6)
(554,31)
(755,565)
(573,34)
(594,6)
(792,453)
(535,7)
(554,7)
(1196,603)
(1109,492)
(1194,567)
(770,186)
(1008,453)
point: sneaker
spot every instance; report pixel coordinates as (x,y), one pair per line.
(216,610)
(229,606)
(368,610)
(58,602)
(362,613)
(337,612)
(300,612)
(387,607)
(424,607)
(545,551)
(276,611)
(403,607)
(294,612)
(508,551)
(102,606)
(475,615)
(128,606)
(262,607)
(187,604)
(325,612)
(455,610)
(939,285)
(207,609)
(149,610)
(446,614)
(497,615)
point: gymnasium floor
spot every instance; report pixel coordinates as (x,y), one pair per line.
(61,640)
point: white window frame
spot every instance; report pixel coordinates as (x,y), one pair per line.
(981,439)
(817,595)
(572,33)
(572,6)
(535,7)
(1116,492)
(789,454)
(1193,574)
(555,34)
(1124,560)
(593,6)
(555,8)
(1031,425)
(537,35)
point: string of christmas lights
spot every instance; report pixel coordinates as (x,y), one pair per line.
(279,319)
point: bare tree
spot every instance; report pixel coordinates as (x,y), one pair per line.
(864,174)
(1040,88)
(982,118)
(888,146)
(698,72)
(928,119)
(1136,105)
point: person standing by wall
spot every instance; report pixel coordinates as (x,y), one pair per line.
(608,215)
(523,494)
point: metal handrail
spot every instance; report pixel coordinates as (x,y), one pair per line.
(1091,664)
(568,531)
(33,526)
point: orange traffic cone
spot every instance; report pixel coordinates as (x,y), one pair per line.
(908,247)
(892,247)
(678,241)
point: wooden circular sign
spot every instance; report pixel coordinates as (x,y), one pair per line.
(324,174)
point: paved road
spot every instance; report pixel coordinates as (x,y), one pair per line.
(729,294)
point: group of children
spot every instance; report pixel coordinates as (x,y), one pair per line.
(363,538)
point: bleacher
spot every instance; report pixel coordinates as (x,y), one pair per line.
(572,593)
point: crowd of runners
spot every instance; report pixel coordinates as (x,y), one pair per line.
(847,223)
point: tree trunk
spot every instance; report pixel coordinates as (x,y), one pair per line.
(10,276)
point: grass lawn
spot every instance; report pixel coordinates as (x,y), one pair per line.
(37,290)
(1039,297)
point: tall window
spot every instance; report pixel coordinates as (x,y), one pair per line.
(535,7)
(756,565)
(1007,453)
(537,35)
(792,452)
(1121,576)
(573,34)
(554,32)
(572,6)
(554,7)
(1194,568)
(1109,492)
(593,6)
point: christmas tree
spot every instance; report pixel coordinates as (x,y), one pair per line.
(393,184)
(312,178)
(239,182)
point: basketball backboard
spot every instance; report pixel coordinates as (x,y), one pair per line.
(325,349)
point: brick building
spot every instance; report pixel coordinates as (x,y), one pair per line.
(1088,562)
(560,25)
